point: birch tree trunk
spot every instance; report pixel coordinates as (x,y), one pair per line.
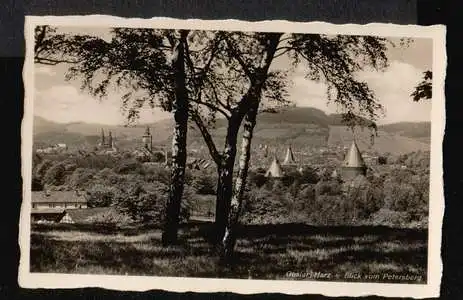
(229,238)
(180,107)
(250,114)
(225,179)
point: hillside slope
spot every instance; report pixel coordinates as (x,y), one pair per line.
(382,143)
(420,131)
(300,127)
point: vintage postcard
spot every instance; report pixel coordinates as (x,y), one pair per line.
(232,156)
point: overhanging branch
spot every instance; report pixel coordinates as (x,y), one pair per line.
(207,137)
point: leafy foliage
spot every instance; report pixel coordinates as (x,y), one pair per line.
(146,204)
(423,90)
(55,175)
(99,195)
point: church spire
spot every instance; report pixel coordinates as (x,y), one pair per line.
(289,159)
(275,169)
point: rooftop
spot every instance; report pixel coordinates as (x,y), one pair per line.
(354,158)
(83,215)
(47,211)
(58,197)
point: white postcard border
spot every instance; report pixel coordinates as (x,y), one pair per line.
(181,284)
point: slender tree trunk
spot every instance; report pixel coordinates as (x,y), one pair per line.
(225,179)
(180,107)
(254,94)
(229,238)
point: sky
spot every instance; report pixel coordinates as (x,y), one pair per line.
(62,101)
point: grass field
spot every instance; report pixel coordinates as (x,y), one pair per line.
(374,254)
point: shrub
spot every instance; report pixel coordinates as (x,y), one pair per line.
(263,206)
(100,195)
(110,217)
(328,187)
(256,179)
(43,167)
(382,160)
(204,184)
(146,203)
(158,157)
(366,197)
(387,217)
(308,175)
(80,178)
(96,161)
(127,167)
(36,184)
(156,173)
(55,175)
(330,210)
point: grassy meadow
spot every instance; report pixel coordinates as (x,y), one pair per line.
(361,253)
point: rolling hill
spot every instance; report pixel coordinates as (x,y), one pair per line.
(299,126)
(419,130)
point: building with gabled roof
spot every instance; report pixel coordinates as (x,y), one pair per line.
(353,164)
(50,205)
(82,216)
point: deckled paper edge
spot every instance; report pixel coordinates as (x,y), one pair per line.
(182,284)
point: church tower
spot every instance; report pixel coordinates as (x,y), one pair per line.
(110,140)
(147,140)
(102,141)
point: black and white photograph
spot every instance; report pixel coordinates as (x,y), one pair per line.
(250,157)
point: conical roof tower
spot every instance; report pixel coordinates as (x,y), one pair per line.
(275,169)
(289,159)
(354,158)
(353,164)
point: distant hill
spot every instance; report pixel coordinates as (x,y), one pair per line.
(299,126)
(416,130)
(382,143)
(43,125)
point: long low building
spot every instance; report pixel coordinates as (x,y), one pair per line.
(50,205)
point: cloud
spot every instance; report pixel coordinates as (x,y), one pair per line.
(391,87)
(65,103)
(45,70)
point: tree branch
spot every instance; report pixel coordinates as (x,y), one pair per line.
(286,50)
(207,137)
(49,61)
(212,107)
(240,60)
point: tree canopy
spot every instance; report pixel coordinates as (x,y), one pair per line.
(423,91)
